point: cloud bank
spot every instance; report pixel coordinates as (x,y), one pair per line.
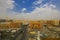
(46,12)
(4,6)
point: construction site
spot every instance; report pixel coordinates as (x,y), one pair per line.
(29,30)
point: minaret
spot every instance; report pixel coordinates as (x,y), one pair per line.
(38,35)
(24,29)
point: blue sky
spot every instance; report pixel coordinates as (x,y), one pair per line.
(57,3)
(30,9)
(29,6)
(20,4)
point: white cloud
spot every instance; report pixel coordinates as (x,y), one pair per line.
(4,5)
(46,12)
(53,6)
(37,2)
(24,9)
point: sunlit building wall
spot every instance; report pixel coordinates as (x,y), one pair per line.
(35,25)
